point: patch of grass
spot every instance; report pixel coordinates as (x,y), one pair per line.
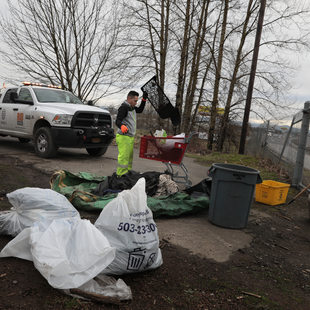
(189,291)
(211,284)
(263,303)
(62,302)
(268,171)
(283,284)
(232,158)
(72,303)
(167,299)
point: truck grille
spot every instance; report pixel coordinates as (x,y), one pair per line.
(88,119)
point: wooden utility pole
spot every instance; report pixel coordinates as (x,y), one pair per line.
(247,108)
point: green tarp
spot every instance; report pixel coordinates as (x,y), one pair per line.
(77,188)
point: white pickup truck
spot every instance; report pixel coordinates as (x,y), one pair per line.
(54,118)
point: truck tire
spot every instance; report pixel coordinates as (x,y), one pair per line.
(96,151)
(23,140)
(43,143)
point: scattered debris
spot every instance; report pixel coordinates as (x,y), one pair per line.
(299,194)
(285,217)
(252,294)
(283,247)
(96,297)
(163,243)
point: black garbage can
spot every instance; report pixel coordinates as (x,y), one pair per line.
(232,192)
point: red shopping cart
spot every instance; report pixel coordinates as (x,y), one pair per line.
(170,151)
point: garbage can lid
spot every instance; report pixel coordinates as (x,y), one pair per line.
(235,168)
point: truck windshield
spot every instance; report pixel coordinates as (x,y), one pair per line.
(53,95)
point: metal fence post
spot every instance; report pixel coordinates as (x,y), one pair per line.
(287,137)
(264,143)
(297,176)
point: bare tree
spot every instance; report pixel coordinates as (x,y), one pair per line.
(149,24)
(273,70)
(184,47)
(198,45)
(218,73)
(201,52)
(72,43)
(233,80)
(172,34)
(248,103)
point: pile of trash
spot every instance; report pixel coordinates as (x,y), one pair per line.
(89,192)
(79,257)
(76,256)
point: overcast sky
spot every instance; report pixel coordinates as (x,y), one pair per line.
(299,93)
(301,82)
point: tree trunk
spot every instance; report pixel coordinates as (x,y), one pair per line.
(183,58)
(214,106)
(247,108)
(225,118)
(191,89)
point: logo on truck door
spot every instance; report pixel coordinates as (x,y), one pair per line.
(20,119)
(3,114)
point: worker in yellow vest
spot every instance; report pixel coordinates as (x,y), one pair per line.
(126,121)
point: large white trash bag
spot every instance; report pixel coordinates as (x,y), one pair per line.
(168,144)
(128,224)
(67,252)
(171,142)
(31,204)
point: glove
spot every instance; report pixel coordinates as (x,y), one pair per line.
(124,129)
(144,96)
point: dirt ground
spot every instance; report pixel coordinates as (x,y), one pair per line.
(273,273)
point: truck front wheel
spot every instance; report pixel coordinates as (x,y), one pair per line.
(43,143)
(97,151)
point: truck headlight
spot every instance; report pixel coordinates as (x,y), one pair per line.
(62,119)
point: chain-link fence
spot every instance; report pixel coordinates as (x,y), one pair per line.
(285,142)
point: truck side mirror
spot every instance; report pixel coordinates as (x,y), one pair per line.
(13,96)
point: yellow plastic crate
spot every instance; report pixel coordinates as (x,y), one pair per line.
(271,192)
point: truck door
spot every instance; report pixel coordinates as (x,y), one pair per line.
(23,112)
(6,111)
